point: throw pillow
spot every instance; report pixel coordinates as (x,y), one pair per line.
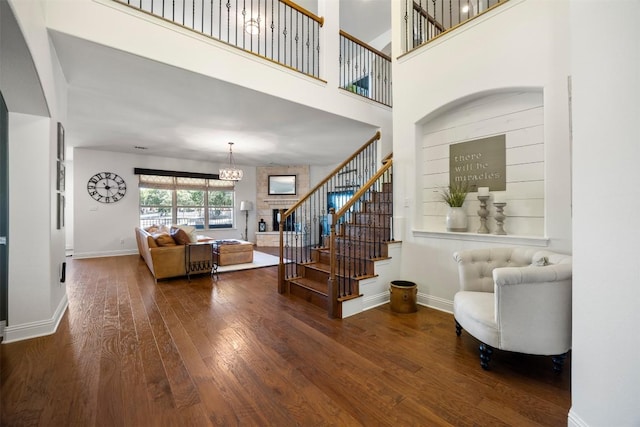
(152,229)
(190,230)
(164,239)
(180,236)
(151,242)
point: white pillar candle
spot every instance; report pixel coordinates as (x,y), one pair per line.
(499,198)
(483,191)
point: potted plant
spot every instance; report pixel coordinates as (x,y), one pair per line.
(454,196)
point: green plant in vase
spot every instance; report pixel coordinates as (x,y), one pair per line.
(454,196)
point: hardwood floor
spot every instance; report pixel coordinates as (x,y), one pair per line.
(233,351)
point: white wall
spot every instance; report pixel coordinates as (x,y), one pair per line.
(606,272)
(490,55)
(37,299)
(98,228)
(30,219)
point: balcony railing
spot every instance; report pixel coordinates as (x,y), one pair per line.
(278,30)
(364,70)
(426,19)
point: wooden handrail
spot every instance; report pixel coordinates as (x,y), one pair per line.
(418,8)
(333,307)
(318,19)
(328,177)
(364,45)
(362,191)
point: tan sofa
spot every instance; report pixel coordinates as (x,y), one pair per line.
(168,261)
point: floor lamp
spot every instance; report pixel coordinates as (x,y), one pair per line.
(246,206)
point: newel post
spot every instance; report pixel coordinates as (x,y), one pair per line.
(282,287)
(331,284)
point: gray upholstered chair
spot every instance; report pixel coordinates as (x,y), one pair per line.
(515,299)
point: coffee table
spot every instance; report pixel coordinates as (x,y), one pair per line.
(230,252)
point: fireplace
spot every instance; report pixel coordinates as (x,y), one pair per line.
(289,224)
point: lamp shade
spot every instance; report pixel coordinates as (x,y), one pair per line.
(246,205)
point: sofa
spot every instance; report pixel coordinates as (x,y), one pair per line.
(163,249)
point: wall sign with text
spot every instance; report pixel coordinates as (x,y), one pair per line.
(480,163)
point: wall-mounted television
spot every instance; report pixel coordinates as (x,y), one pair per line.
(282,185)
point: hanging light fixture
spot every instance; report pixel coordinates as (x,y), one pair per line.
(252,27)
(230,173)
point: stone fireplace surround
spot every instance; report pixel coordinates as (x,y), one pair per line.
(265,203)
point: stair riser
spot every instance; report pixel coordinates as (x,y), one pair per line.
(367,233)
(354,267)
(356,249)
(308,295)
(372,207)
(382,197)
(313,274)
(373,219)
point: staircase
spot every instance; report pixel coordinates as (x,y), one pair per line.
(343,227)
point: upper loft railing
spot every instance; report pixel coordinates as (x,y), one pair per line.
(278,30)
(425,20)
(364,70)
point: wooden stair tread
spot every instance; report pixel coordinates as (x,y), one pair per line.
(319,266)
(318,287)
(349,297)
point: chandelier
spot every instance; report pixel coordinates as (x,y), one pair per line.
(230,173)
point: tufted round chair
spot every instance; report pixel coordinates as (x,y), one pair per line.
(515,299)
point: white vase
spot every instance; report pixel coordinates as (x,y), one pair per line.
(456,219)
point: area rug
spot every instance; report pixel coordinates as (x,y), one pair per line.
(260,259)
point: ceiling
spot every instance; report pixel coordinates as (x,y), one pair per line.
(121,102)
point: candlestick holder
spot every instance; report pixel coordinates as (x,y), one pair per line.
(483,213)
(500,217)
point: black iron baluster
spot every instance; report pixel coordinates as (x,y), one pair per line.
(228,21)
(236,24)
(272,27)
(244,22)
(290,63)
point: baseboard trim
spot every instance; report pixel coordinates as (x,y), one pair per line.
(81,255)
(372,301)
(40,328)
(575,420)
(435,302)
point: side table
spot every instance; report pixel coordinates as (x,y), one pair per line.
(198,257)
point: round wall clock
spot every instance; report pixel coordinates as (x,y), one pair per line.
(106,187)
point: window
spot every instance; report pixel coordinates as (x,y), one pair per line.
(185,200)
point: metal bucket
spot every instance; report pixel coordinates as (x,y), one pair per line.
(403,296)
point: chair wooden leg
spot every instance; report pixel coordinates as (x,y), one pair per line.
(558,362)
(458,329)
(485,355)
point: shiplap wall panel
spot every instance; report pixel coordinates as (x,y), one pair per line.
(518,115)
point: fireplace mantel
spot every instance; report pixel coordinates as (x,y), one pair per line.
(286,202)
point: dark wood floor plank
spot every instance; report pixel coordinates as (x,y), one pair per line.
(232,351)
(110,388)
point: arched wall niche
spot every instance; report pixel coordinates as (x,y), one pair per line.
(517,113)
